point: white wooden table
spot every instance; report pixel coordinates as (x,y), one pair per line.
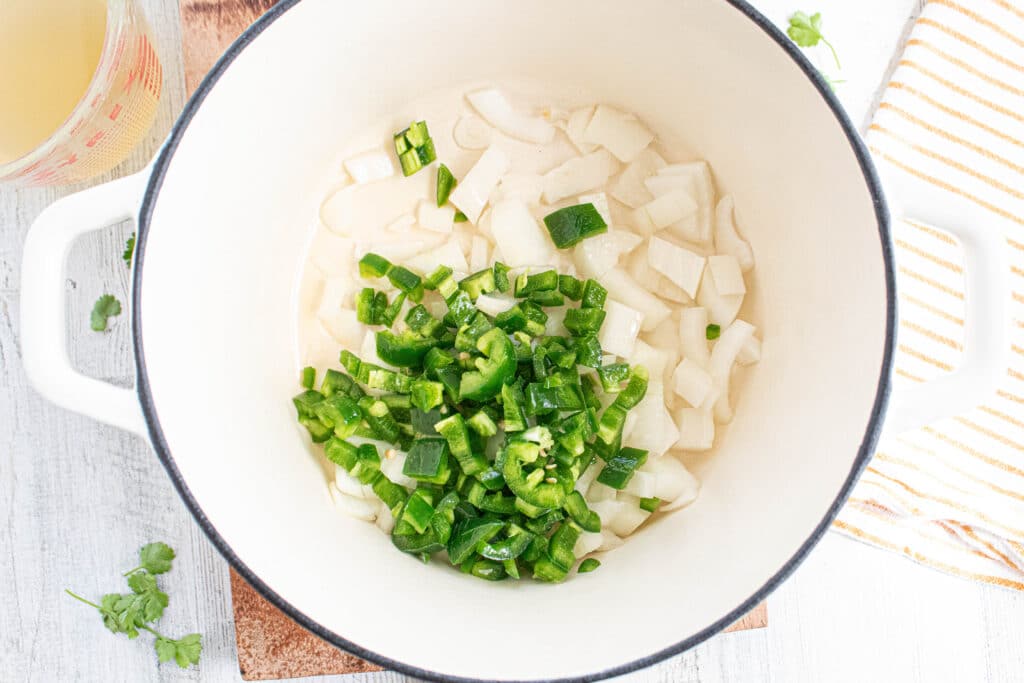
(77,498)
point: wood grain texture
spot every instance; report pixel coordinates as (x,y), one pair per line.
(77,498)
(209,26)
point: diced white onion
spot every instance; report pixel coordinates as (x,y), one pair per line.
(346,483)
(657,361)
(496,109)
(578,175)
(597,255)
(478,254)
(693,340)
(575,127)
(674,484)
(691,382)
(436,218)
(725,269)
(370,166)
(642,484)
(587,543)
(723,356)
(525,186)
(556,321)
(600,202)
(385,520)
(587,478)
(392,467)
(623,288)
(337,293)
(722,309)
(609,541)
(655,431)
(365,510)
(448,254)
(343,326)
(471,132)
(403,223)
(727,235)
(696,429)
(621,134)
(493,304)
(599,492)
(629,188)
(471,194)
(703,191)
(625,514)
(750,353)
(681,266)
(641,221)
(517,233)
(398,248)
(620,329)
(368,352)
(670,208)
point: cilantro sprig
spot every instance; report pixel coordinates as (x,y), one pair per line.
(805,31)
(129,250)
(129,613)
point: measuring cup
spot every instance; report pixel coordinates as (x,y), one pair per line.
(116,110)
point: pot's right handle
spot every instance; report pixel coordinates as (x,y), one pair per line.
(43,325)
(986,321)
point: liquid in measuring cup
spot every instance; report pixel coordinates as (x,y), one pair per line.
(49,52)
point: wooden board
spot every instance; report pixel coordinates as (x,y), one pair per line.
(270,645)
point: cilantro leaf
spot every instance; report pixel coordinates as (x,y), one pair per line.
(141,582)
(189,648)
(156,558)
(165,649)
(129,613)
(805,31)
(129,250)
(107,306)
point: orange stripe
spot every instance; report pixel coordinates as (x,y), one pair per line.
(914,353)
(952,188)
(1009,7)
(932,309)
(1016,245)
(999,464)
(1016,349)
(904,373)
(1010,397)
(1016,270)
(876,509)
(1019,298)
(949,265)
(989,433)
(964,473)
(928,473)
(1015,374)
(897,85)
(988,23)
(927,229)
(967,40)
(944,501)
(917,42)
(934,336)
(932,283)
(1002,416)
(960,91)
(923,559)
(935,130)
(952,163)
(970,532)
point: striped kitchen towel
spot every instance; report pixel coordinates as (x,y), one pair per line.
(951,495)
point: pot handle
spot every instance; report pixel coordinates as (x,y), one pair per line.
(986,322)
(43,322)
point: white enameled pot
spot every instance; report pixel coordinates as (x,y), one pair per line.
(221,223)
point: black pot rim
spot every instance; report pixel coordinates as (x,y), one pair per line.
(163,451)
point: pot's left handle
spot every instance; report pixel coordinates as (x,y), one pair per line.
(43,324)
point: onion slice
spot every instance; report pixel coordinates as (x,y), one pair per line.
(723,356)
(495,108)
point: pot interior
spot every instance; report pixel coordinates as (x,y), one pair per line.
(225,243)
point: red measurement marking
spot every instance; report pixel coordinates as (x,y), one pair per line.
(131,80)
(91,142)
(67,162)
(115,112)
